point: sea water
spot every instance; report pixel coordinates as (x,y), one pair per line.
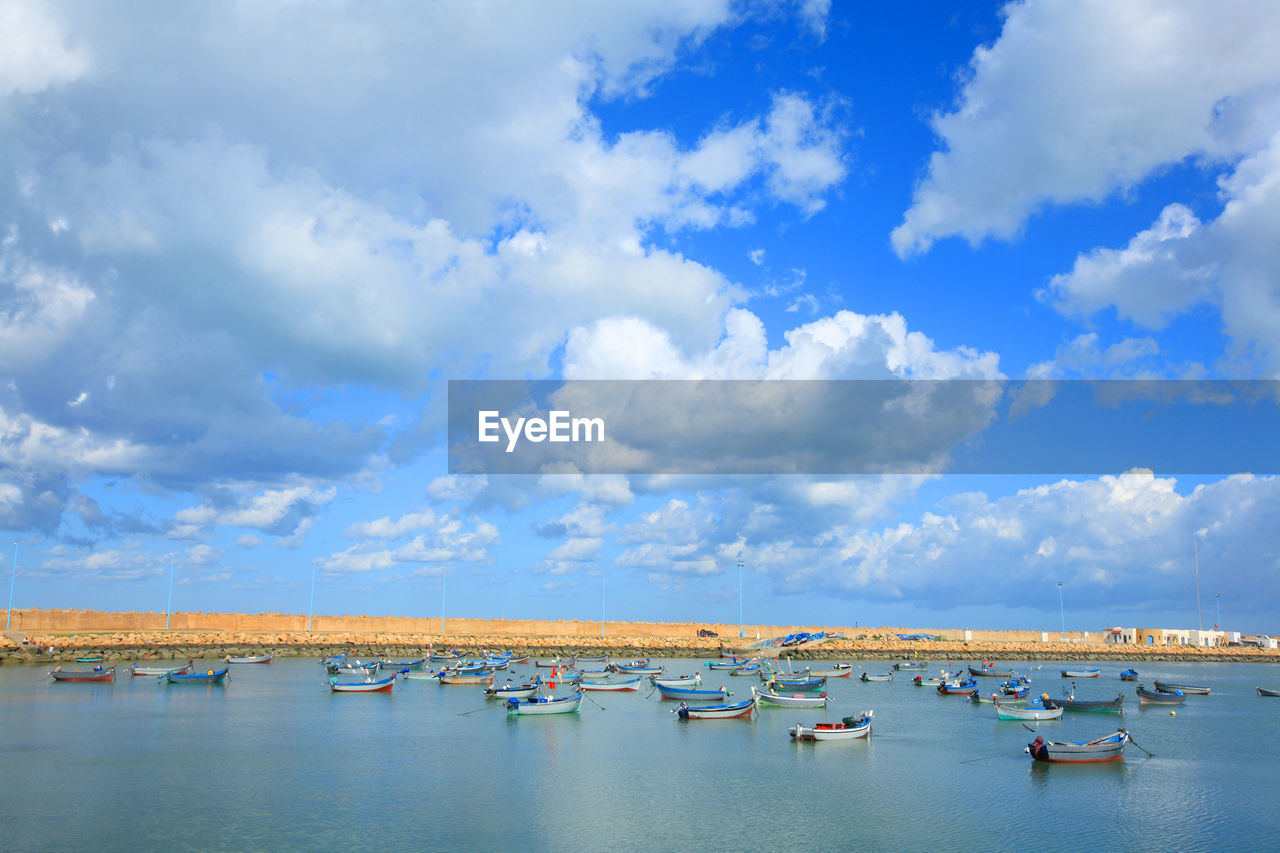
(274,761)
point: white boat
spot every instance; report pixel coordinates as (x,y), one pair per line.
(676,681)
(716,712)
(134,669)
(1029,712)
(369,685)
(847,729)
(547,705)
(839,670)
(797,701)
(632,684)
(466,678)
(884,676)
(511,691)
(254,659)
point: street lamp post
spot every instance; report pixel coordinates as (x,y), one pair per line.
(740,632)
(1062,611)
(444,581)
(312,606)
(604,580)
(168,608)
(1217,602)
(12,579)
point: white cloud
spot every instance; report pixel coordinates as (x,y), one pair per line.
(1077,100)
(385,528)
(35,52)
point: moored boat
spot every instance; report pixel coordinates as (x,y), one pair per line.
(628,684)
(911,664)
(849,728)
(677,680)
(211,676)
(763,697)
(1159,697)
(134,669)
(716,712)
(1081,673)
(456,678)
(512,691)
(990,672)
(957,688)
(369,685)
(1108,748)
(1103,706)
(1187,689)
(803,684)
(839,670)
(1005,711)
(537,705)
(96,674)
(637,668)
(1265,691)
(1129,675)
(746,669)
(884,676)
(254,659)
(692,694)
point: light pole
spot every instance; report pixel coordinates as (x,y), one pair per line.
(168,608)
(740,632)
(1062,611)
(312,606)
(444,580)
(604,580)
(8,615)
(1217,602)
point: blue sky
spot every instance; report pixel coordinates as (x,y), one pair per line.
(242,248)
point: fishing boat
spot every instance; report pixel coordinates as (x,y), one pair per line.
(839,670)
(629,684)
(1103,706)
(1005,711)
(957,688)
(1263,691)
(354,667)
(134,669)
(456,678)
(1159,697)
(911,664)
(568,678)
(884,676)
(802,684)
(1189,690)
(521,659)
(1108,748)
(990,672)
(692,694)
(677,680)
(208,677)
(536,705)
(547,663)
(398,665)
(512,691)
(716,712)
(746,669)
(770,698)
(637,667)
(89,660)
(725,664)
(449,657)
(1129,675)
(254,659)
(849,728)
(1015,690)
(592,658)
(931,681)
(1081,673)
(369,685)
(95,674)
(979,698)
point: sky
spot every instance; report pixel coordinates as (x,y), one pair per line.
(244,246)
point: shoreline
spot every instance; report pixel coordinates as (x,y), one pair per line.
(118,646)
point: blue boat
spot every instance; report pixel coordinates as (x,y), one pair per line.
(1129,675)
(801,684)
(692,694)
(209,677)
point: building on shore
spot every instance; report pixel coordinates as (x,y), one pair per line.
(1167,637)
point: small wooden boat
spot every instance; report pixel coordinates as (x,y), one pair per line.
(1103,706)
(369,685)
(801,684)
(1108,748)
(1159,697)
(521,659)
(1187,689)
(884,676)
(768,673)
(979,698)
(911,664)
(692,694)
(456,678)
(536,705)
(1263,691)
(840,670)
(716,712)
(208,677)
(990,672)
(677,680)
(134,669)
(353,667)
(725,664)
(849,728)
(450,657)
(1081,673)
(89,660)
(1005,711)
(957,688)
(746,669)
(770,698)
(1129,675)
(931,681)
(629,684)
(96,674)
(512,691)
(547,663)
(592,658)
(254,659)
(1015,690)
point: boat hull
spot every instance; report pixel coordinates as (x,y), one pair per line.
(716,712)
(256,659)
(1185,689)
(1264,691)
(543,707)
(631,684)
(108,674)
(153,671)
(1149,697)
(851,730)
(1008,712)
(382,685)
(1110,706)
(1109,748)
(1081,673)
(210,677)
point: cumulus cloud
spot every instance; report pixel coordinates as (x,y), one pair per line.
(35,51)
(1076,100)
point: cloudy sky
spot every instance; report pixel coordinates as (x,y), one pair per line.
(243,247)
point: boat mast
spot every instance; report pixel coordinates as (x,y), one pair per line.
(1199,615)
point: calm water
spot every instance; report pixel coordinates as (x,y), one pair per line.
(274,761)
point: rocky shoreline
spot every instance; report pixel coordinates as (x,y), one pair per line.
(118,647)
